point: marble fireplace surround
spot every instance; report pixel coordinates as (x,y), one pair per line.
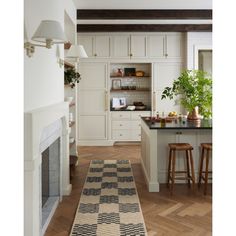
(42,127)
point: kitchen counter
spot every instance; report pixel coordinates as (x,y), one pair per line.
(124,109)
(155,137)
(176,124)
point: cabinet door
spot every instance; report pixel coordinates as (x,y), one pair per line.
(93,127)
(164,75)
(174,46)
(87,42)
(138,46)
(156,46)
(92,108)
(102,46)
(121,46)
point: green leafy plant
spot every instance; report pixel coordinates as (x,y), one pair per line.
(71,77)
(195,90)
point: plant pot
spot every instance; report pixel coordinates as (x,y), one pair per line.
(193,115)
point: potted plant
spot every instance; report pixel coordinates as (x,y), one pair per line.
(71,77)
(194,88)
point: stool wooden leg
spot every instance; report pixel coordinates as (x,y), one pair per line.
(169,165)
(188,172)
(192,169)
(206,172)
(201,166)
(173,172)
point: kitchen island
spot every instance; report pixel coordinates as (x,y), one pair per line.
(156,135)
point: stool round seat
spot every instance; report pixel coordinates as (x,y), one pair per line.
(206,146)
(180,146)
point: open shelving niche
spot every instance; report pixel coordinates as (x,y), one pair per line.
(133,88)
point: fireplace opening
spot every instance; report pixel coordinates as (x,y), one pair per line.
(50,181)
(45,176)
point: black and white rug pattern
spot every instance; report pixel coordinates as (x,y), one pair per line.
(109,204)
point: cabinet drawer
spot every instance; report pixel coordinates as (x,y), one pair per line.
(121,134)
(120,115)
(136,115)
(136,125)
(120,124)
(136,135)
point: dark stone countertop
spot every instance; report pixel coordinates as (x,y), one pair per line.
(124,109)
(176,124)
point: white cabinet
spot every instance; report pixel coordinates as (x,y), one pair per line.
(164,74)
(93,105)
(133,46)
(165,45)
(138,46)
(129,46)
(156,47)
(155,152)
(121,46)
(95,46)
(126,125)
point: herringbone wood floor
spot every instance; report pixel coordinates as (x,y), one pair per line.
(183,214)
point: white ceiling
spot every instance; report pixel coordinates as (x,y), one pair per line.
(143,4)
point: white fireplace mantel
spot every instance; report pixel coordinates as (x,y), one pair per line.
(35,122)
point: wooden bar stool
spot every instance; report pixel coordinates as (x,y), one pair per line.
(208,148)
(171,166)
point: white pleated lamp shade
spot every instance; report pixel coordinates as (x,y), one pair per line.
(49,30)
(76,51)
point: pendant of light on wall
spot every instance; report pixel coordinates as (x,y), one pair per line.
(48,33)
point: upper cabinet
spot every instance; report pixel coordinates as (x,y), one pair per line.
(133,46)
(129,46)
(121,46)
(169,45)
(95,46)
(138,46)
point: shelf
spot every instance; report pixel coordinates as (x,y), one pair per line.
(129,77)
(71,123)
(71,144)
(72,104)
(68,64)
(130,90)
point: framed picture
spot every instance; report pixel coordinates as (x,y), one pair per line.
(116,84)
(118,102)
(129,71)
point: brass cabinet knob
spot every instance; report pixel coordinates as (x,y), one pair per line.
(95,54)
(131,54)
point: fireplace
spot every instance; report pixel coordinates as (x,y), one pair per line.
(50,182)
(46,165)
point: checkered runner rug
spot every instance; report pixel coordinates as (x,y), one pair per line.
(109,204)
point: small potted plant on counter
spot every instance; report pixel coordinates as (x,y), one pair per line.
(194,88)
(71,77)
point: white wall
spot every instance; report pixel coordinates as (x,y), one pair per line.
(143,4)
(195,40)
(43,78)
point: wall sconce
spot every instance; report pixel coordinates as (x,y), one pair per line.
(49,32)
(76,52)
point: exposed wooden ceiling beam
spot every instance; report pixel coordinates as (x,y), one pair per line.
(87,14)
(143,27)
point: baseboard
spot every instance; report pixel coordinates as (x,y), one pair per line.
(95,143)
(120,143)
